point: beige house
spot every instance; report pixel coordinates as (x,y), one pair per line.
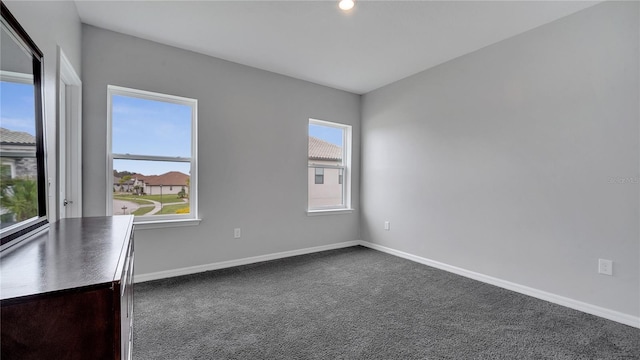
(123,186)
(168,183)
(325,174)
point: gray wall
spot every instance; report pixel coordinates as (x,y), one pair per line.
(51,24)
(252,150)
(519,161)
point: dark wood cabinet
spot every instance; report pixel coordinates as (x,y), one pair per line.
(67,292)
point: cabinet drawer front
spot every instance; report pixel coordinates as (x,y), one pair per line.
(70,325)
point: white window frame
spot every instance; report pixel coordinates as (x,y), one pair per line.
(156,221)
(12,166)
(346,170)
(16,77)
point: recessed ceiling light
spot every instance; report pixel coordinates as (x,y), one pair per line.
(346,5)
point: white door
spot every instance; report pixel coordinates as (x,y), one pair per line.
(69,140)
(62,149)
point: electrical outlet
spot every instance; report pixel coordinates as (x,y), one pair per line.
(236,233)
(605,267)
(387,226)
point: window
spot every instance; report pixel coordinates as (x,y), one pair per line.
(319,175)
(153,165)
(329,161)
(23,191)
(19,164)
(7,171)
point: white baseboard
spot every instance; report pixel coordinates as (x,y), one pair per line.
(231,263)
(616,316)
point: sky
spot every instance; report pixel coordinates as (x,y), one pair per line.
(148,127)
(17,110)
(326,133)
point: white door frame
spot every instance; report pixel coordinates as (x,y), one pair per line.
(69,139)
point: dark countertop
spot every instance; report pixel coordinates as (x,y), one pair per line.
(71,253)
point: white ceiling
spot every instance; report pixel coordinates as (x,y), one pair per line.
(376,43)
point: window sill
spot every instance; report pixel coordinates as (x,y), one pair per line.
(145,225)
(329,212)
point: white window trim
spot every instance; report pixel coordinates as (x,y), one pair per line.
(12,166)
(16,77)
(346,175)
(156,221)
(330,212)
(145,225)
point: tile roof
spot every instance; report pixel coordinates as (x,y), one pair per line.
(139,176)
(173,178)
(322,150)
(16,137)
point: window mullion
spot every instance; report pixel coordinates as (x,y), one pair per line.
(151,158)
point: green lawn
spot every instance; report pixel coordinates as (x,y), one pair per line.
(135,199)
(143,210)
(171,209)
(140,199)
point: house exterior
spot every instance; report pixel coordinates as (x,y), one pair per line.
(171,182)
(325,183)
(17,155)
(168,183)
(120,185)
(17,161)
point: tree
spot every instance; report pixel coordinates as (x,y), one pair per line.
(123,180)
(126,180)
(188,181)
(20,198)
(120,174)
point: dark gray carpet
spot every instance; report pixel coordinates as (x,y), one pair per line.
(358,303)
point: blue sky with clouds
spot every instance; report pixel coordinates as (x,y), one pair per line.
(149,127)
(326,133)
(17,110)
